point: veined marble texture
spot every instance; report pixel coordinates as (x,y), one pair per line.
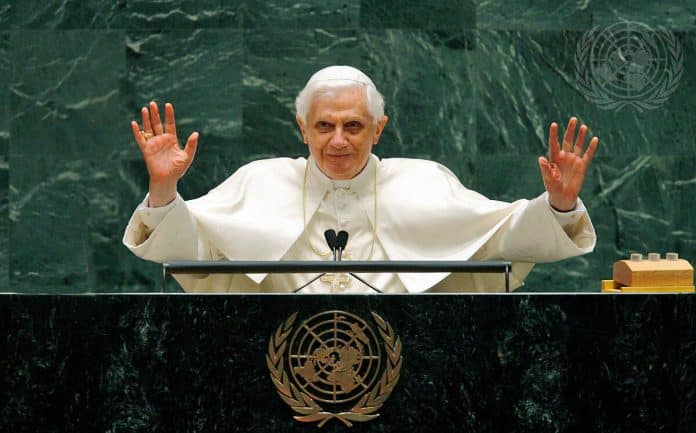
(472,84)
(582,14)
(4,166)
(528,364)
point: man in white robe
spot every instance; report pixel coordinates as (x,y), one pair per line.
(394,209)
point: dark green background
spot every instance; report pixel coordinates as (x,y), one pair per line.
(472,84)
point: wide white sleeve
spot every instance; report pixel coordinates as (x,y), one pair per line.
(166,233)
(537,233)
(152,216)
(569,218)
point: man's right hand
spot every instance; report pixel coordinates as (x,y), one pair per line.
(166,162)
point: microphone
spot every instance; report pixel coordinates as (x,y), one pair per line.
(332,241)
(341,241)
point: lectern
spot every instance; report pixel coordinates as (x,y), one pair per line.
(342,363)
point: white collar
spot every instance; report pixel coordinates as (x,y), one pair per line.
(359,183)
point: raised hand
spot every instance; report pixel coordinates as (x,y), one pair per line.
(166,162)
(564,172)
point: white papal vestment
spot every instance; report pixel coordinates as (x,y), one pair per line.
(420,212)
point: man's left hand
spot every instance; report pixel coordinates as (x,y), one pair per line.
(564,171)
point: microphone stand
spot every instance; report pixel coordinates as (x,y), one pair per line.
(332,242)
(342,241)
(309,282)
(337,243)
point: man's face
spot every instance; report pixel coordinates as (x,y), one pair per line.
(340,131)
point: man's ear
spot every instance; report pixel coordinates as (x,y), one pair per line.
(303,131)
(380,128)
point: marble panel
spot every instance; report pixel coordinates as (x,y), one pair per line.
(68,14)
(425,77)
(651,200)
(403,14)
(534,16)
(591,363)
(65,98)
(181,14)
(4,165)
(290,14)
(278,64)
(4,229)
(6,15)
(527,80)
(48,225)
(669,14)
(66,228)
(582,15)
(199,72)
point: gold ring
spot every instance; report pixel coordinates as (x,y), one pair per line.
(146,135)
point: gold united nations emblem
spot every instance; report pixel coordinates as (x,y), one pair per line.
(334,366)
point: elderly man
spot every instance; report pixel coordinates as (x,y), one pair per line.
(394,209)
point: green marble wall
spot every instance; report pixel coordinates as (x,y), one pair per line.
(472,84)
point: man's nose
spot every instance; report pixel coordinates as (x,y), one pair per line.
(338,140)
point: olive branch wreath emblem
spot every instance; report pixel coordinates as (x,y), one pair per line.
(603,97)
(310,411)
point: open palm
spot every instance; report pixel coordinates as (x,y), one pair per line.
(564,172)
(166,162)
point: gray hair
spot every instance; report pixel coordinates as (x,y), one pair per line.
(339,77)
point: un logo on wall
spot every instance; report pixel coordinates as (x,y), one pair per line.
(628,64)
(334,366)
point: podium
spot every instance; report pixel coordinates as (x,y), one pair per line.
(470,363)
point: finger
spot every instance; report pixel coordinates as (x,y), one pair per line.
(554,146)
(137,135)
(543,165)
(191,146)
(145,115)
(580,141)
(570,133)
(546,172)
(589,153)
(169,123)
(155,119)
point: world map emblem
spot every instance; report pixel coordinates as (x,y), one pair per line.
(628,64)
(334,366)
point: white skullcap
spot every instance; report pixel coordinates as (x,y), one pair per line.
(338,73)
